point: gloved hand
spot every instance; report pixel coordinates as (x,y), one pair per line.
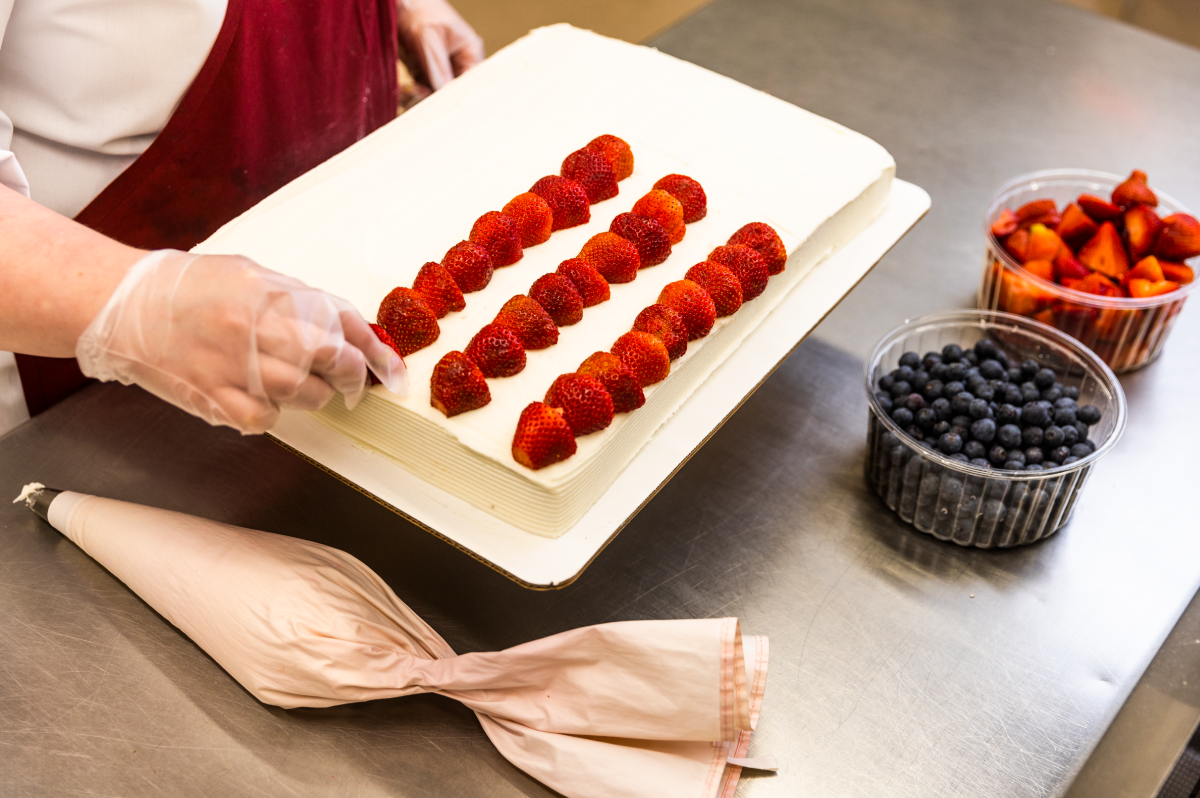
(231,342)
(436,43)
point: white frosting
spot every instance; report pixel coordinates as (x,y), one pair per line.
(29,492)
(367,220)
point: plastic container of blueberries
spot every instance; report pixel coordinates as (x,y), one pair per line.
(968,504)
(1126,333)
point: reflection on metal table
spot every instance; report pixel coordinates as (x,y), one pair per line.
(900,664)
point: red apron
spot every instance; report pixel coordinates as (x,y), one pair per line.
(287,85)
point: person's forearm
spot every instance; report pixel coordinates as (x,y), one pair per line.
(55,276)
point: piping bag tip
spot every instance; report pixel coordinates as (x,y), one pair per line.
(37,497)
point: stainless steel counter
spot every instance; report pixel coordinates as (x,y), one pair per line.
(900,666)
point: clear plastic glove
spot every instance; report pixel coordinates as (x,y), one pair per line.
(231,342)
(437,44)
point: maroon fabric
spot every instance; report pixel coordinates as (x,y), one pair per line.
(287,85)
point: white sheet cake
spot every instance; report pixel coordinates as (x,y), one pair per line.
(367,220)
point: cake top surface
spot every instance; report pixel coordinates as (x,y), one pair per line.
(368,219)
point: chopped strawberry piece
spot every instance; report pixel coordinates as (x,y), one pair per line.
(533,218)
(470,265)
(1044,243)
(617,379)
(618,153)
(1134,191)
(408,320)
(543,437)
(1005,224)
(1045,317)
(1177,272)
(559,297)
(664,209)
(1041,268)
(1142,228)
(667,326)
(1179,239)
(1097,283)
(689,193)
(1040,211)
(498,234)
(497,351)
(593,171)
(590,284)
(644,355)
(529,321)
(457,385)
(747,265)
(721,284)
(1146,269)
(1099,209)
(1067,266)
(436,286)
(615,258)
(763,239)
(1105,253)
(585,403)
(383,336)
(1020,295)
(1140,289)
(1017,245)
(567,199)
(1076,227)
(691,302)
(652,241)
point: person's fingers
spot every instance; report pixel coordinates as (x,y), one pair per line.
(467,53)
(235,408)
(286,384)
(381,359)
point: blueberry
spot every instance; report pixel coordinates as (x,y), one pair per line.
(960,403)
(1071,392)
(910,359)
(1089,414)
(1082,429)
(953,388)
(885,401)
(971,357)
(977,409)
(1035,455)
(914,432)
(886,382)
(1048,464)
(1030,367)
(1008,414)
(984,392)
(902,416)
(1034,414)
(941,406)
(937,371)
(1070,435)
(998,455)
(949,443)
(984,430)
(901,388)
(1014,375)
(985,348)
(961,421)
(930,360)
(992,370)
(974,450)
(1044,379)
(1053,436)
(1016,455)
(940,428)
(973,371)
(1029,392)
(974,382)
(933,389)
(1066,401)
(1014,465)
(952,353)
(1081,450)
(1034,467)
(1069,460)
(914,402)
(960,457)
(920,377)
(926,418)
(956,371)
(961,432)
(993,409)
(904,373)
(994,511)
(1091,443)
(1008,435)
(1064,416)
(1052,393)
(1032,436)
(1060,454)
(979,461)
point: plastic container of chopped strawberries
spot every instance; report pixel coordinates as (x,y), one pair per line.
(968,504)
(1126,333)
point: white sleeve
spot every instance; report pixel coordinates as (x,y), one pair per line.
(11,174)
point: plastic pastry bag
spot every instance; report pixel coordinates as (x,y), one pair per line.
(641,708)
